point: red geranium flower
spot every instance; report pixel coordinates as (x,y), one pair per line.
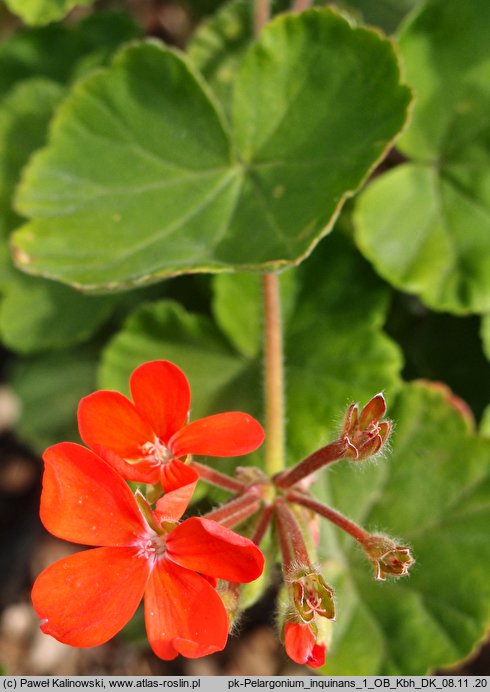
(301,647)
(153,433)
(85,599)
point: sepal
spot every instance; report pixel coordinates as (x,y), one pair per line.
(388,558)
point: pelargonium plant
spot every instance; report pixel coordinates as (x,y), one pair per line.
(146,551)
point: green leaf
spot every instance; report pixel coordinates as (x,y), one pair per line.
(43,11)
(37,315)
(175,190)
(219,45)
(24,116)
(335,350)
(433,494)
(163,329)
(50,387)
(60,52)
(426,225)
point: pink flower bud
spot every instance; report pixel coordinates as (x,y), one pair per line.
(362,433)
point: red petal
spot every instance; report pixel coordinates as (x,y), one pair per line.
(222,435)
(85,501)
(138,472)
(110,420)
(176,474)
(205,546)
(299,641)
(183,613)
(317,656)
(87,598)
(175,501)
(161,394)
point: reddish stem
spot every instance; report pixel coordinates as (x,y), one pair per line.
(262,11)
(293,546)
(220,480)
(300,5)
(326,455)
(236,511)
(328,513)
(274,376)
(262,526)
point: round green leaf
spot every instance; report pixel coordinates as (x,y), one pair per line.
(143,179)
(43,11)
(24,116)
(445,54)
(426,235)
(219,45)
(426,226)
(433,495)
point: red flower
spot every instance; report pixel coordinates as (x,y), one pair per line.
(301,647)
(85,599)
(153,433)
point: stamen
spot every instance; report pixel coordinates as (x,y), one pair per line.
(151,548)
(156,452)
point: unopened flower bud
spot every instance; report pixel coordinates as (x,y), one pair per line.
(312,596)
(363,433)
(387,557)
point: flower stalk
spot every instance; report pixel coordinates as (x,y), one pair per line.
(234,512)
(262,10)
(291,540)
(274,376)
(331,514)
(326,455)
(218,479)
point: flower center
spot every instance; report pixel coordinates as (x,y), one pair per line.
(156,452)
(151,547)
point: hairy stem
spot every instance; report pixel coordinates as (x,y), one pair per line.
(262,525)
(262,9)
(328,513)
(326,455)
(274,376)
(300,5)
(236,511)
(218,479)
(291,540)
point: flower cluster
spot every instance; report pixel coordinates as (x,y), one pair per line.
(85,599)
(141,548)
